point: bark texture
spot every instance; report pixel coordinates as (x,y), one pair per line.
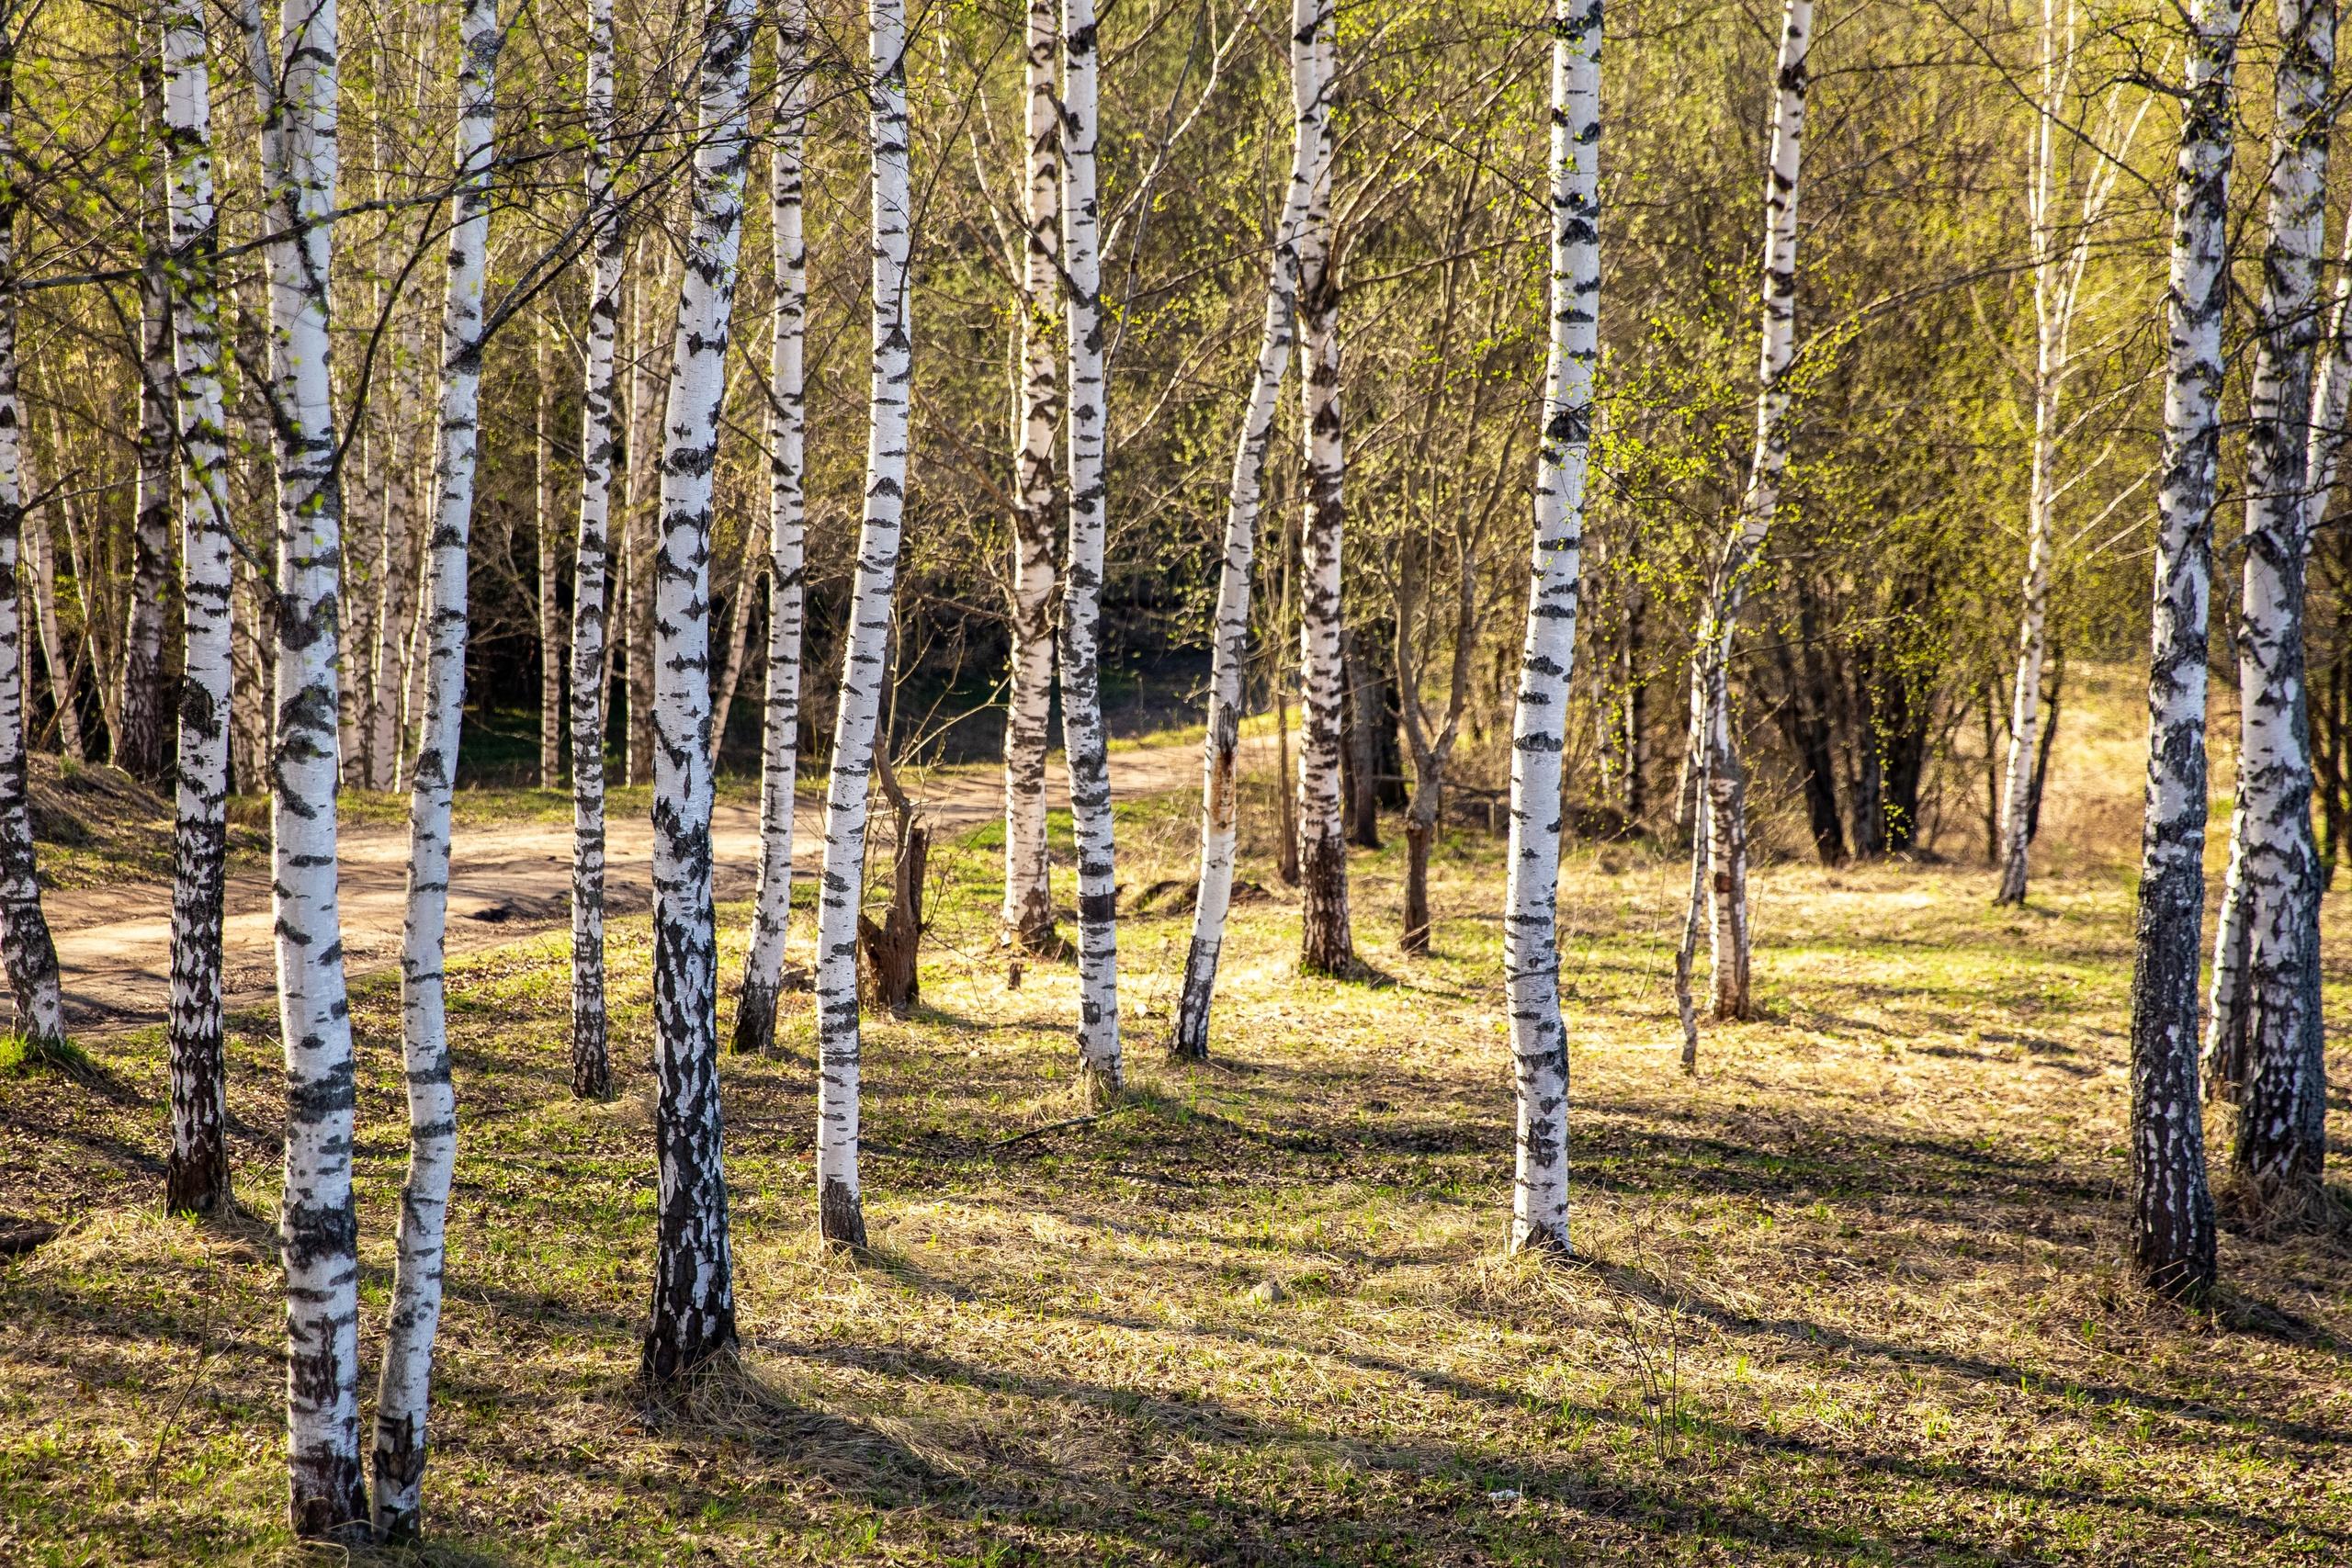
(1327,942)
(2280,1147)
(195,1177)
(694,1295)
(1028,911)
(592,1072)
(2172,1208)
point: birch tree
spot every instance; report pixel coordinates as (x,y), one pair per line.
(1326,943)
(1717,761)
(2172,1208)
(1539,724)
(317,1225)
(840,1216)
(25,950)
(788,427)
(2062,252)
(1028,912)
(592,1073)
(694,1293)
(1229,660)
(195,1177)
(1085,746)
(403,1395)
(2279,1066)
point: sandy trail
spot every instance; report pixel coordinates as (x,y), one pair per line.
(507,880)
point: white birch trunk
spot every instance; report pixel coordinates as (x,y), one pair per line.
(1028,912)
(2049,306)
(865,666)
(25,950)
(2280,1148)
(1726,818)
(1327,942)
(403,1395)
(1085,745)
(787,426)
(317,1222)
(196,1178)
(1221,747)
(592,1074)
(1539,726)
(693,1293)
(2172,1208)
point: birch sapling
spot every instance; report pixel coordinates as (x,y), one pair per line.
(1028,912)
(1229,660)
(196,1176)
(840,1216)
(694,1294)
(1539,724)
(787,428)
(1085,745)
(592,1073)
(403,1395)
(2172,1207)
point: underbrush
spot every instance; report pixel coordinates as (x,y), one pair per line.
(1854,1293)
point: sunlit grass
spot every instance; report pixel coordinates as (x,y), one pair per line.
(1854,1293)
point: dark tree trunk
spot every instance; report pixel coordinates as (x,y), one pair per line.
(1804,721)
(1367,710)
(892,948)
(1417,834)
(2041,756)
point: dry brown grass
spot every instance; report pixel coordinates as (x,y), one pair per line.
(1852,1294)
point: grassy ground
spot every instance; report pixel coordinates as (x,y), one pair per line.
(1851,1295)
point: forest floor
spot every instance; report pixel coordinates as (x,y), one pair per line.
(110,911)
(1853,1293)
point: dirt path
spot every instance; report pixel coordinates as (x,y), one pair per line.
(508,880)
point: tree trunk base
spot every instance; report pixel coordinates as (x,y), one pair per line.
(755,1019)
(841,1217)
(1100,1087)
